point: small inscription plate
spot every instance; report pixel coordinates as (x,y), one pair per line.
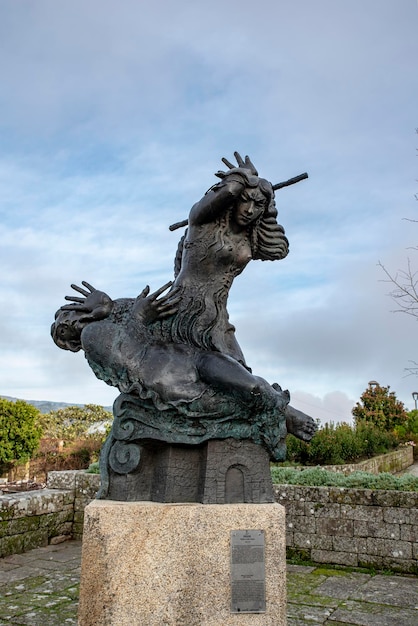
(248,577)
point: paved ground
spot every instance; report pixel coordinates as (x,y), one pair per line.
(412,469)
(40,588)
(317,595)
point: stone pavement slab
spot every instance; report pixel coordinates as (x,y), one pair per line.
(343,587)
(40,588)
(399,591)
(330,596)
(371,614)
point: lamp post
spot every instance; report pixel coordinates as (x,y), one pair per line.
(415,397)
(373,383)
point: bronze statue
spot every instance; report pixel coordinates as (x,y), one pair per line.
(173,354)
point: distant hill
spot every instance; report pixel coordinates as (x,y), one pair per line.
(45,406)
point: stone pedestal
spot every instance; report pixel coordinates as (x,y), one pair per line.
(153,564)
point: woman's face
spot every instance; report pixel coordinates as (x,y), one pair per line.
(249,207)
(65,333)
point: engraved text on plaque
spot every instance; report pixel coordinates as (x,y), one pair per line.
(248,592)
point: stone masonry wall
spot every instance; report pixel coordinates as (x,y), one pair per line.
(83,487)
(392,462)
(355,527)
(33,519)
(38,518)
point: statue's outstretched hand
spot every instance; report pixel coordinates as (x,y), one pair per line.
(149,307)
(245,164)
(244,169)
(95,304)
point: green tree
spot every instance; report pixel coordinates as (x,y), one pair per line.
(412,423)
(73,422)
(408,431)
(20,432)
(380,407)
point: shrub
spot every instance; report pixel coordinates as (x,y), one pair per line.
(318,476)
(75,455)
(337,444)
(93,468)
(374,440)
(325,447)
(297,451)
(19,432)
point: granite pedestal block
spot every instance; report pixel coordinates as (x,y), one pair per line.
(159,564)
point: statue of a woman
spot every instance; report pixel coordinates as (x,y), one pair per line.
(174,356)
(232,224)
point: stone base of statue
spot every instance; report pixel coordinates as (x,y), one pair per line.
(183,564)
(214,472)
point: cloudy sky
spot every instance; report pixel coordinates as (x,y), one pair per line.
(114,117)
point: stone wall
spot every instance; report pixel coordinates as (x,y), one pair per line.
(83,488)
(37,518)
(355,527)
(33,519)
(392,462)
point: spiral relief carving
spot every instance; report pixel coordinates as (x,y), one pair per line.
(124,457)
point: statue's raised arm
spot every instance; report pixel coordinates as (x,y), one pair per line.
(235,181)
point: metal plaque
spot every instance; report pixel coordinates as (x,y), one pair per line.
(248,576)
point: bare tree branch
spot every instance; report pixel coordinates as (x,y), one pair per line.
(404,285)
(412,370)
(405,289)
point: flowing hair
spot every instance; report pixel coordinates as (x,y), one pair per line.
(268,239)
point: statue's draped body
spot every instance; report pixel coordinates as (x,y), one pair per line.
(173,354)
